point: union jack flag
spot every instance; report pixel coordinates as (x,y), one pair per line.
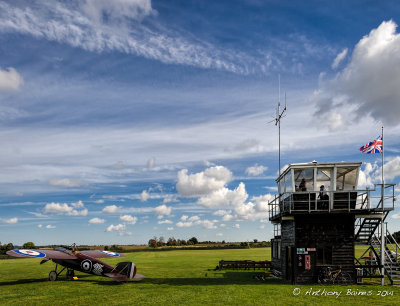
(373,146)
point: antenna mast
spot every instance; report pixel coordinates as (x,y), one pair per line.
(277,119)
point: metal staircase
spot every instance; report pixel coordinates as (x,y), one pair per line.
(367,227)
(391,254)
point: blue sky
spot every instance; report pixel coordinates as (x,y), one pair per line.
(124,120)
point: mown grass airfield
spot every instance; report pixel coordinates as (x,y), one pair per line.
(178,277)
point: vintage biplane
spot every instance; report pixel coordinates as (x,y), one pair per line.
(84,261)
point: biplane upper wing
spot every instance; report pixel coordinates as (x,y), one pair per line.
(101,254)
(44,254)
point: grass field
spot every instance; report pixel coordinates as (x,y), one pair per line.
(181,277)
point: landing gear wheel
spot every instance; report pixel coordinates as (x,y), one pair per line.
(70,274)
(53,276)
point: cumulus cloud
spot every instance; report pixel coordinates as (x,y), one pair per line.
(128,219)
(339,58)
(212,179)
(10,80)
(219,234)
(120,229)
(99,201)
(40,226)
(111,209)
(195,220)
(210,188)
(224,197)
(144,196)
(368,84)
(256,170)
(49,226)
(236,225)
(365,177)
(184,217)
(11,220)
(392,168)
(170,228)
(165,222)
(66,182)
(221,212)
(96,221)
(162,210)
(75,209)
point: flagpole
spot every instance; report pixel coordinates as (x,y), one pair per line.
(382,221)
(383,153)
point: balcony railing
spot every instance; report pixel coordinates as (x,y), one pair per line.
(333,201)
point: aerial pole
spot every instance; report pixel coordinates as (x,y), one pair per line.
(277,119)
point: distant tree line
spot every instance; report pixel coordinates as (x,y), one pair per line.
(160,242)
(6,247)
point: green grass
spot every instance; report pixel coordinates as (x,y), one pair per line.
(181,277)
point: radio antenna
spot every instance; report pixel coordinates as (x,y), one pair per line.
(277,119)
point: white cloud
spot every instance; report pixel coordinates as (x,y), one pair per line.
(221,212)
(365,177)
(165,222)
(368,84)
(104,26)
(236,225)
(256,170)
(184,224)
(66,182)
(116,228)
(222,225)
(339,58)
(128,219)
(194,218)
(224,197)
(99,201)
(11,220)
(262,226)
(144,196)
(96,221)
(162,210)
(65,209)
(10,80)
(40,226)
(392,168)
(170,228)
(184,217)
(219,234)
(49,226)
(117,9)
(111,209)
(202,183)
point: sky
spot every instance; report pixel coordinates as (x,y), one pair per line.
(128,119)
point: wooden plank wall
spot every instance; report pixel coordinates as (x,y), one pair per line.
(330,230)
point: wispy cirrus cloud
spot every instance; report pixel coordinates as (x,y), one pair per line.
(83,25)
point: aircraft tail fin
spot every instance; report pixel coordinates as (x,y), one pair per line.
(126,268)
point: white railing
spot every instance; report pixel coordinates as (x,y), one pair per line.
(311,201)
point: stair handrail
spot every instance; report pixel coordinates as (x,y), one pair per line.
(395,242)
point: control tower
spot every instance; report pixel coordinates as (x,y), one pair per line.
(319,215)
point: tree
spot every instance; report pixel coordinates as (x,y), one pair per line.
(29,245)
(172,242)
(396,236)
(193,240)
(152,243)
